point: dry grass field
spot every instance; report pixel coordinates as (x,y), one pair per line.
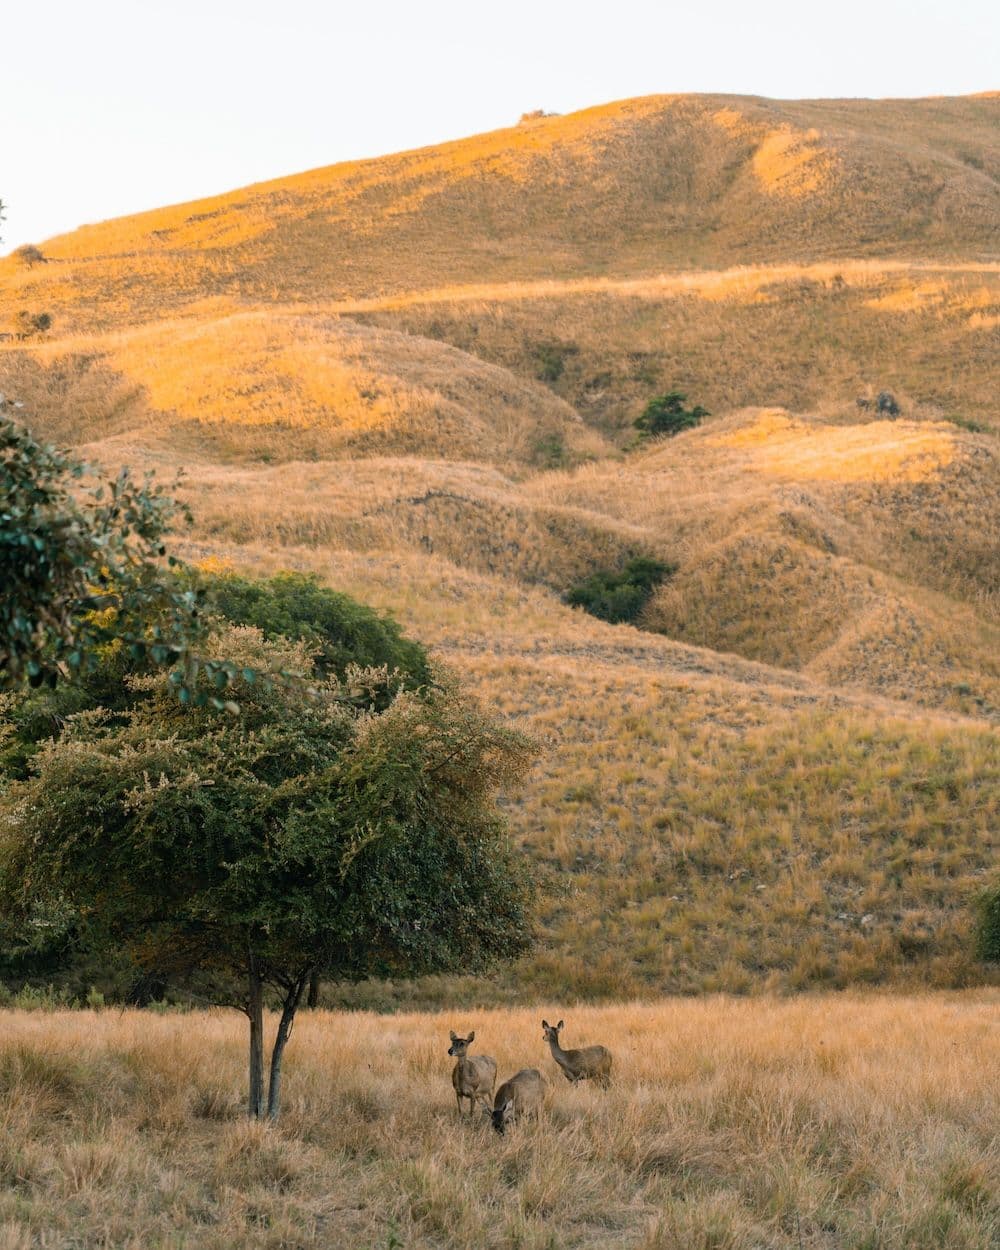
(816,1123)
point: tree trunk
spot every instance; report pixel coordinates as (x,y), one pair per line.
(255,1010)
(288,1009)
(313,999)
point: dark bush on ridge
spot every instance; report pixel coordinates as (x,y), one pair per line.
(666,415)
(620,597)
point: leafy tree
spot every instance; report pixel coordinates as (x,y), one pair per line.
(81,565)
(620,596)
(666,415)
(311,832)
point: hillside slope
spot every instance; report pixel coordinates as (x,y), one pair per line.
(416,376)
(635,187)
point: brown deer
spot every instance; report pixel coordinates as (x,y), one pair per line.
(518,1098)
(472,1078)
(592,1063)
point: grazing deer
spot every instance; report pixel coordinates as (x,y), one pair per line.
(518,1098)
(592,1063)
(472,1078)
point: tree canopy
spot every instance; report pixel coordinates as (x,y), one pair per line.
(352,831)
(81,564)
(338,631)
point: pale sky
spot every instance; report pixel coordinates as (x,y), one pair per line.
(113,106)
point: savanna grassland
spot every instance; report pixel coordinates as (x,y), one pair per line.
(835,1123)
(417,377)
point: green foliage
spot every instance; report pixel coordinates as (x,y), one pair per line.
(337,630)
(666,415)
(966,423)
(988,925)
(311,832)
(620,597)
(80,566)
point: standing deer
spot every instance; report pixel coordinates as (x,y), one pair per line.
(472,1078)
(592,1063)
(518,1098)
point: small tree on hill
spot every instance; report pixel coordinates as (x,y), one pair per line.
(666,415)
(312,832)
(28,255)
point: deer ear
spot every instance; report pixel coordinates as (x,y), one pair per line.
(507,1105)
(453,1035)
(545,1024)
(559,1026)
(472,1036)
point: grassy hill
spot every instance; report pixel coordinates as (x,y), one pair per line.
(626,189)
(417,377)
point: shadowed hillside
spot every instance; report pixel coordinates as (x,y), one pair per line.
(417,376)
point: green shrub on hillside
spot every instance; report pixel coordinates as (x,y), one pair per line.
(666,415)
(620,597)
(988,926)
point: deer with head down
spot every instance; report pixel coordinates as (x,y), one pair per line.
(518,1098)
(473,1077)
(591,1063)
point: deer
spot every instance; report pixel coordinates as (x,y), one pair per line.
(592,1063)
(518,1098)
(472,1078)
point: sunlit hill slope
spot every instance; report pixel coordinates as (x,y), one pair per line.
(417,376)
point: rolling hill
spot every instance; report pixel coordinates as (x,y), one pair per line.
(417,375)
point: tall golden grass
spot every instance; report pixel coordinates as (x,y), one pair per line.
(841,1123)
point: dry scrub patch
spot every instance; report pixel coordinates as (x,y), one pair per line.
(831,1123)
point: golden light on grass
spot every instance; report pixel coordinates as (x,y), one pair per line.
(881,451)
(792,163)
(729,1123)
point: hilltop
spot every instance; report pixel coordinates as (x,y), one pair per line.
(626,189)
(417,376)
